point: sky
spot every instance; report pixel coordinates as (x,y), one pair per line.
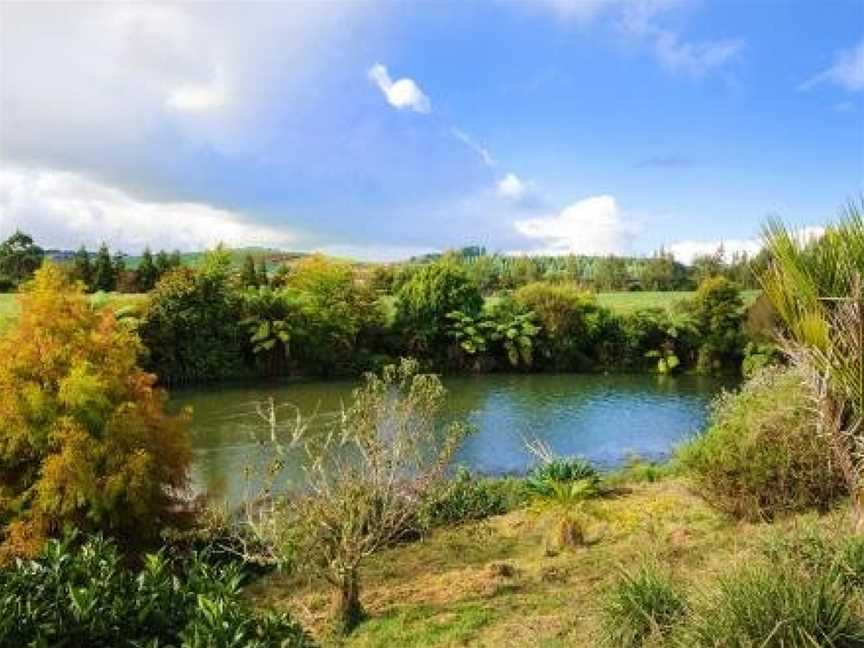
(381,130)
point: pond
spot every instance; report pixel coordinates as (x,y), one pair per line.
(605,418)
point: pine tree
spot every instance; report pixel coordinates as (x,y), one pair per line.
(175,260)
(248,275)
(82,268)
(104,272)
(163,263)
(146,274)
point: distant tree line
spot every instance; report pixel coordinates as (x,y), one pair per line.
(107,272)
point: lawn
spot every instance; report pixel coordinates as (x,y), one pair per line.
(492,583)
(627,302)
(9,304)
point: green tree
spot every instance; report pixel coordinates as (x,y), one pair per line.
(274,321)
(84,437)
(191,325)
(163,263)
(428,297)
(146,274)
(20,257)
(610,273)
(104,270)
(718,313)
(248,274)
(263,279)
(82,268)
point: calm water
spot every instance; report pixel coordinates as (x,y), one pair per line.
(603,418)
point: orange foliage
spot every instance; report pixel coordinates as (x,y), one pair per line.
(84,437)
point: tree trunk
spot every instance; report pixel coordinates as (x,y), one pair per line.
(347,610)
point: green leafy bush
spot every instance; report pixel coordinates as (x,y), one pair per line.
(641,608)
(85,596)
(467,498)
(776,606)
(761,454)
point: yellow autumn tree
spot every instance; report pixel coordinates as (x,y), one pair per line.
(85,441)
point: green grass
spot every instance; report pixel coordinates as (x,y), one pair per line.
(9,304)
(627,302)
(450,589)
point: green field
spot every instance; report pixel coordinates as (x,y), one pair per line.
(627,302)
(9,304)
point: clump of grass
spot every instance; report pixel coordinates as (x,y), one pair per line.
(641,608)
(550,474)
(467,498)
(776,606)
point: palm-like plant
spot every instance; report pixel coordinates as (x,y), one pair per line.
(272,322)
(815,285)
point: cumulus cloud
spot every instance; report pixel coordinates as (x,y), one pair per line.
(847,71)
(593,225)
(512,187)
(65,210)
(686,251)
(401,94)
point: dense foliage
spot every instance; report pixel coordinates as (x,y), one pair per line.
(20,257)
(84,438)
(191,325)
(761,454)
(85,595)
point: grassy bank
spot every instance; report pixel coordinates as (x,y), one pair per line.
(492,584)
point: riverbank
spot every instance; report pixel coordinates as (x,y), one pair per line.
(492,583)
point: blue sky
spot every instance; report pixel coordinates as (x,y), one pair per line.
(379,130)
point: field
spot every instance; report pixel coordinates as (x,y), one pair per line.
(627,302)
(493,584)
(9,304)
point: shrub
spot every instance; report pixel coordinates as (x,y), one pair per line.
(776,606)
(718,311)
(641,608)
(543,479)
(761,454)
(573,325)
(85,596)
(466,498)
(84,437)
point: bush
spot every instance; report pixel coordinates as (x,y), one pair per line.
(641,608)
(84,437)
(573,325)
(543,479)
(718,311)
(84,596)
(761,455)
(466,498)
(777,607)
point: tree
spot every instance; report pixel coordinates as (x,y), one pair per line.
(163,263)
(718,313)
(274,321)
(248,274)
(20,257)
(82,268)
(610,273)
(191,325)
(662,272)
(104,270)
(84,437)
(428,297)
(369,472)
(146,274)
(263,279)
(815,287)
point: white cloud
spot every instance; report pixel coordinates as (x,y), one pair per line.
(695,59)
(403,93)
(590,226)
(61,209)
(686,251)
(847,71)
(196,98)
(469,141)
(512,187)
